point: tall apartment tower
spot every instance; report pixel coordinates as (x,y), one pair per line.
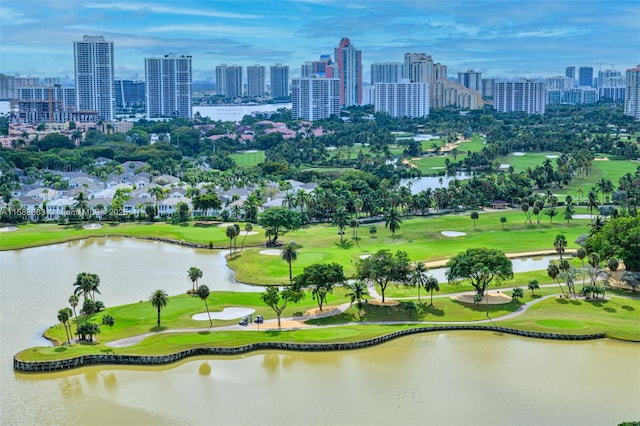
(523,95)
(229,80)
(279,81)
(570,72)
(585,76)
(315,97)
(386,72)
(168,86)
(632,93)
(418,68)
(403,99)
(93,59)
(349,62)
(256,82)
(471,80)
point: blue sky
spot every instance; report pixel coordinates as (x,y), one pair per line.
(500,38)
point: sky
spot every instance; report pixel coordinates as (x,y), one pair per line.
(500,38)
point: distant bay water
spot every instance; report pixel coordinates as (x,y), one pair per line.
(215,112)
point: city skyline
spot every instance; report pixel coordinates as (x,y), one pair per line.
(500,38)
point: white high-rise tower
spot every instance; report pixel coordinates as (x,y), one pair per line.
(93,57)
(168,86)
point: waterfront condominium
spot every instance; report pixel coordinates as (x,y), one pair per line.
(632,94)
(349,62)
(229,80)
(386,72)
(523,95)
(403,99)
(256,80)
(315,97)
(93,60)
(168,86)
(279,81)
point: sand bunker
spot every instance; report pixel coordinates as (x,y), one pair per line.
(224,225)
(437,168)
(494,298)
(245,233)
(552,156)
(387,302)
(518,154)
(364,256)
(453,233)
(92,226)
(270,252)
(9,229)
(505,166)
(225,314)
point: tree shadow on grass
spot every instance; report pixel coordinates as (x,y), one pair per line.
(345,245)
(627,308)
(576,302)
(610,310)
(204,333)
(157,329)
(273,333)
(433,310)
(60,349)
(562,301)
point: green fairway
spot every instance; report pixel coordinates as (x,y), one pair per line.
(435,165)
(248,158)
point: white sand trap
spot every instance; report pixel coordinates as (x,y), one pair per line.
(250,151)
(92,226)
(518,154)
(224,225)
(270,252)
(364,256)
(9,229)
(245,233)
(225,314)
(505,166)
(453,233)
(438,168)
(552,156)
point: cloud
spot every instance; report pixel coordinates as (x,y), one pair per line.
(13,17)
(155,8)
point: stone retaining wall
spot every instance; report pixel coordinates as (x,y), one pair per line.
(113,359)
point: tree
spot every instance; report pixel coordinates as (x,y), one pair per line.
(392,221)
(503,221)
(159,299)
(88,329)
(533,286)
(581,253)
(632,279)
(289,254)
(203,294)
(194,275)
(73,301)
(63,316)
(87,284)
(619,238)
(410,307)
(474,216)
(430,285)
(568,213)
(320,278)
(231,234)
(383,267)
(248,227)
(357,291)
(525,209)
(341,220)
(551,212)
(517,293)
(480,265)
(277,221)
(278,299)
(418,277)
(373,230)
(560,243)
(108,320)
(554,272)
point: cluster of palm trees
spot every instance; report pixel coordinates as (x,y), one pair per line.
(233,232)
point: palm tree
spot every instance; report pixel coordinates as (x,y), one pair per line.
(231,233)
(341,220)
(159,300)
(553,271)
(474,217)
(533,286)
(63,317)
(248,227)
(194,275)
(358,290)
(87,284)
(430,285)
(73,301)
(560,243)
(203,294)
(581,253)
(289,254)
(392,221)
(418,277)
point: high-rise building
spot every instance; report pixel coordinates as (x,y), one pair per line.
(447,94)
(93,57)
(129,93)
(315,97)
(471,80)
(256,81)
(403,99)
(632,95)
(8,88)
(279,81)
(559,82)
(570,72)
(585,76)
(386,72)
(487,87)
(46,104)
(168,86)
(606,77)
(580,95)
(349,62)
(229,80)
(523,95)
(418,68)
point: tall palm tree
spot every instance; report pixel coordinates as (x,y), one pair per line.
(554,271)
(73,301)
(430,285)
(341,220)
(203,294)
(581,253)
(560,243)
(418,277)
(474,217)
(358,290)
(63,317)
(159,300)
(194,275)
(248,227)
(231,233)
(392,221)
(289,254)
(87,284)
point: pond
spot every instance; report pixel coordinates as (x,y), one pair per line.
(454,378)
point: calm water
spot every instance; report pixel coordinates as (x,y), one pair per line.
(458,378)
(235,112)
(432,182)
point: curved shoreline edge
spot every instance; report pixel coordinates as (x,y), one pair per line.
(150,360)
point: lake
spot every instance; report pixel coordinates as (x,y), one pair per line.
(455,378)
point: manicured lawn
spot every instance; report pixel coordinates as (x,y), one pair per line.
(433,165)
(248,158)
